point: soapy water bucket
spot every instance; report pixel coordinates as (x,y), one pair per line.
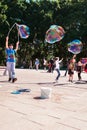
(46,92)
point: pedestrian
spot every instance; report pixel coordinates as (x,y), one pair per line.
(30,64)
(71,68)
(50,65)
(67,63)
(73,60)
(10,52)
(5,73)
(44,63)
(85,67)
(57,67)
(37,63)
(79,69)
(71,71)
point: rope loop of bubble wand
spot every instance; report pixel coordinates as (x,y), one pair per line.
(18,33)
(17,30)
(11,29)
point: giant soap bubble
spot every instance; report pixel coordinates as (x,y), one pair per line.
(75,46)
(24,31)
(54,34)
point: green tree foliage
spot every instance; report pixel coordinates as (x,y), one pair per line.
(39,15)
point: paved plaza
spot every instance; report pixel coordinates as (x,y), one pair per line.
(66,109)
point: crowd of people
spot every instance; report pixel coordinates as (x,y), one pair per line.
(50,66)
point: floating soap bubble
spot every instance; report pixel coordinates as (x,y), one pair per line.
(75,46)
(54,34)
(24,31)
(54,27)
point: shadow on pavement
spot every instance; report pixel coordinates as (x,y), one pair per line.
(81,82)
(39,98)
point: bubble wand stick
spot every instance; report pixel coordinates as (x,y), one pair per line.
(11,29)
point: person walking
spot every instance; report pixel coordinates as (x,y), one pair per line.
(5,73)
(71,71)
(79,69)
(10,52)
(71,68)
(37,63)
(44,63)
(57,67)
(67,63)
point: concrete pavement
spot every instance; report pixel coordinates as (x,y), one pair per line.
(65,110)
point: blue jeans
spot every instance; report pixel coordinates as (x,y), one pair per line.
(58,74)
(11,69)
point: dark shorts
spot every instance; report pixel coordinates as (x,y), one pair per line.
(79,69)
(70,72)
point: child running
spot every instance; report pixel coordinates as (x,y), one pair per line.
(57,67)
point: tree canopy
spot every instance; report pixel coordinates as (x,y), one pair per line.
(39,15)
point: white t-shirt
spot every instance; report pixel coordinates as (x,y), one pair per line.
(57,64)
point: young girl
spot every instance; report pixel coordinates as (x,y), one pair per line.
(71,67)
(71,71)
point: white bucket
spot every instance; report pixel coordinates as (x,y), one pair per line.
(46,92)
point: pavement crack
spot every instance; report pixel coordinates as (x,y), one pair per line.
(17,111)
(68,125)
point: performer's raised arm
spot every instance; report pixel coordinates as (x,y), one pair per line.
(17,45)
(6,43)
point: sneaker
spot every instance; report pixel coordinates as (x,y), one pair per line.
(9,79)
(71,81)
(14,80)
(79,79)
(56,81)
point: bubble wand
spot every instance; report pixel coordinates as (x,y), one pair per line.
(11,29)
